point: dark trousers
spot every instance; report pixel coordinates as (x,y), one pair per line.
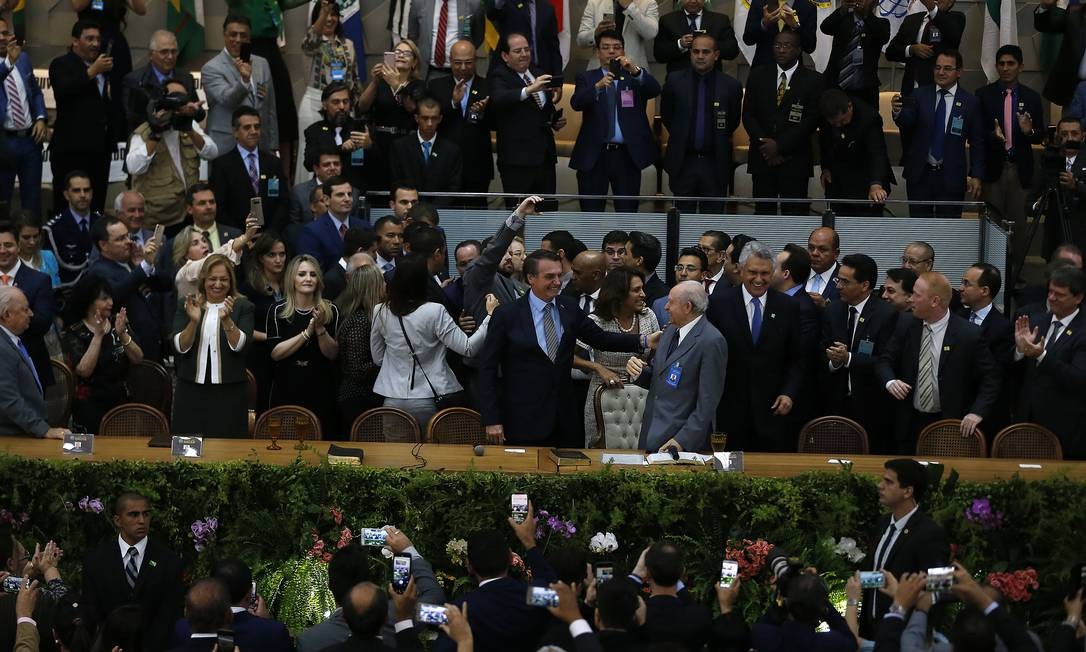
(839,191)
(933,187)
(476,187)
(613,168)
(20,156)
(699,178)
(519,181)
(94,164)
(770,185)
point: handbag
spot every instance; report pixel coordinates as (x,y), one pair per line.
(442,401)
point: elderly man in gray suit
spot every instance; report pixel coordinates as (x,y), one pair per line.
(22,406)
(686,379)
(464,19)
(230,80)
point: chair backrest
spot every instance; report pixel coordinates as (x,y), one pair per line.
(456,425)
(288,422)
(149,383)
(1027,441)
(944,438)
(618,415)
(58,396)
(833,435)
(386,424)
(134,420)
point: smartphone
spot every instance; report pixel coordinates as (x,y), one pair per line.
(605,571)
(556,81)
(518,507)
(615,68)
(225,640)
(940,579)
(252,596)
(1077,581)
(401,572)
(729,570)
(547,206)
(109,47)
(160,232)
(390,59)
(246,54)
(373,536)
(256,207)
(12,584)
(872,580)
(609,18)
(431,614)
(539,596)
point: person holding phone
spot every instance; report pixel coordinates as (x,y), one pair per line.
(390,98)
(336,132)
(637,21)
(191,250)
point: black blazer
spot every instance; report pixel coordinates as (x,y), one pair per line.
(158,590)
(525,136)
(791,123)
(85,121)
(855,154)
(675,25)
(1051,392)
(141,295)
(919,72)
(232,364)
(654,288)
(998,333)
(670,620)
(874,34)
(229,179)
(677,106)
(754,34)
(141,86)
(473,138)
(874,326)
(441,173)
(321,137)
(1063,78)
(514,16)
(991,108)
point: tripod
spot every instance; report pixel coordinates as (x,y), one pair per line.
(1049,197)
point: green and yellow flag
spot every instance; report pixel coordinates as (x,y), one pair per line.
(185,18)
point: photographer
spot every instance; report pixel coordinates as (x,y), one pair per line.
(164,154)
(805,602)
(1063,176)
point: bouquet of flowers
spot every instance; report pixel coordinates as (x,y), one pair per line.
(1017,586)
(750,555)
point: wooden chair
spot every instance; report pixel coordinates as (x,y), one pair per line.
(250,399)
(385,424)
(292,422)
(1027,441)
(58,396)
(456,425)
(944,439)
(149,383)
(134,420)
(833,435)
(618,415)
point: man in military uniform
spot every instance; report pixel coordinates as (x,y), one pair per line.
(68,234)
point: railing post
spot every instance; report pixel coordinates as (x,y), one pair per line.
(671,253)
(829,218)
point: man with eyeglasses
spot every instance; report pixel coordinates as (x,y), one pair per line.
(23,119)
(148,83)
(614,248)
(715,245)
(919,257)
(692,266)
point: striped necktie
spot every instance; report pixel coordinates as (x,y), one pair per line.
(131,570)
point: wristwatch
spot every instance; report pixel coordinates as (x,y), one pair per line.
(895,608)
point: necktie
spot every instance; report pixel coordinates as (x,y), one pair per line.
(16,106)
(1070,164)
(699,116)
(30,363)
(693,23)
(925,375)
(674,344)
(339,136)
(131,570)
(550,332)
(586,303)
(973,319)
(851,326)
(426,147)
(880,559)
(5,279)
(207,238)
(780,21)
(609,93)
(925,36)
(387,267)
(816,283)
(84,226)
(938,127)
(782,88)
(531,37)
(708,285)
(756,320)
(850,72)
(439,40)
(342,231)
(254,176)
(535,96)
(1053,333)
(1008,120)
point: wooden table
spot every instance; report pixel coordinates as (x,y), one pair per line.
(508,459)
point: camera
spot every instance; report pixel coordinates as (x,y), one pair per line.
(783,567)
(432,614)
(170,104)
(373,536)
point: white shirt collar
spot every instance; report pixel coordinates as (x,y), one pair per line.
(1066,321)
(747,296)
(904,520)
(485,582)
(423,140)
(685,330)
(15,269)
(940,325)
(337,220)
(141,548)
(953,90)
(788,73)
(12,336)
(214,228)
(237,610)
(245,154)
(715,278)
(860,306)
(381,262)
(204,635)
(982,313)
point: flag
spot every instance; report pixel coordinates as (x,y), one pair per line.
(1000,28)
(895,11)
(490,38)
(185,18)
(742,8)
(824,44)
(18,19)
(1050,43)
(351,19)
(561,13)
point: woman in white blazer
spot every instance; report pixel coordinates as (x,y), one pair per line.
(641,20)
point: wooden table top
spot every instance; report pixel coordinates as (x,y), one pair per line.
(518,460)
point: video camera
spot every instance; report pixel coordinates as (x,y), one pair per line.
(1053,159)
(783,567)
(171,104)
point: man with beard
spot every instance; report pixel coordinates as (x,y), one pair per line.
(338,132)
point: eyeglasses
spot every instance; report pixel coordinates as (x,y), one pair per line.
(905,260)
(406,54)
(687,268)
(167,52)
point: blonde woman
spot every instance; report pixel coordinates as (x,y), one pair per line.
(390,99)
(365,289)
(301,331)
(191,251)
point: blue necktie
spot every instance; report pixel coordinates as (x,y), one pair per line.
(756,321)
(30,363)
(426,146)
(609,92)
(938,128)
(699,117)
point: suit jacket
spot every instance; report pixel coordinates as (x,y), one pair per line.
(420,27)
(141,86)
(407,639)
(202,644)
(38,288)
(636,132)
(229,178)
(677,107)
(918,116)
(250,633)
(84,121)
(675,25)
(640,24)
(69,244)
(1064,74)
(225,91)
(299,212)
(855,155)
(482,276)
(874,327)
(23,409)
(684,388)
(514,16)
(874,34)
(670,619)
(158,590)
(919,72)
(513,351)
(991,105)
(473,138)
(998,333)
(320,239)
(524,133)
(764,118)
(442,172)
(762,38)
(32,90)
(321,137)
(141,295)
(654,288)
(792,635)
(1051,391)
(760,372)
(231,363)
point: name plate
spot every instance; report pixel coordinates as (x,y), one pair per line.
(187,446)
(78,443)
(728,462)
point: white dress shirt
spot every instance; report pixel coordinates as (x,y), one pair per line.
(685,330)
(880,552)
(787,74)
(22,97)
(750,308)
(826,276)
(852,336)
(141,548)
(12,272)
(138,161)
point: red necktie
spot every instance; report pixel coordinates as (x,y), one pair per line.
(342,231)
(442,28)
(708,285)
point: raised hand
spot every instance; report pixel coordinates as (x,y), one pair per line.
(226,310)
(194,307)
(120,322)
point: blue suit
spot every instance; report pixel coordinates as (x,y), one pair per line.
(598,165)
(141,295)
(69,244)
(662,315)
(250,633)
(19,153)
(320,239)
(945,182)
(38,289)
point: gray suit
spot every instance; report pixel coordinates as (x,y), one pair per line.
(482,276)
(225,92)
(683,408)
(22,408)
(420,27)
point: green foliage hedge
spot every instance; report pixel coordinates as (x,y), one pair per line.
(268,516)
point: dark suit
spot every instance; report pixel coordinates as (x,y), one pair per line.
(1026,100)
(791,123)
(250,633)
(320,239)
(1073,203)
(141,86)
(472,137)
(810,336)
(140,294)
(229,178)
(407,639)
(670,619)
(158,589)
(758,373)
(526,151)
(855,156)
(70,244)
(38,289)
(599,164)
(762,38)
(1051,392)
(320,137)
(998,334)
(442,172)
(794,635)
(676,24)
(654,288)
(515,16)
(203,644)
(945,34)
(1063,78)
(874,33)
(532,417)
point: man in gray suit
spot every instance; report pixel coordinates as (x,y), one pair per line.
(22,411)
(464,19)
(686,382)
(231,80)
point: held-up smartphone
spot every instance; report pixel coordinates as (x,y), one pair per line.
(1077,581)
(373,536)
(225,640)
(160,233)
(729,570)
(615,68)
(539,596)
(940,579)
(256,207)
(246,54)
(12,584)
(609,18)
(401,572)
(605,571)
(431,614)
(556,81)
(252,597)
(518,507)
(390,59)
(547,206)
(872,580)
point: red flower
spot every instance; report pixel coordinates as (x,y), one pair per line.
(337,515)
(1017,586)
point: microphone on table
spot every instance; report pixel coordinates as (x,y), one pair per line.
(480,450)
(673,451)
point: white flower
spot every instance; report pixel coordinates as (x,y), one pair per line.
(603,542)
(847,547)
(387,552)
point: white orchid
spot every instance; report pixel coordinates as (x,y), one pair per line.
(603,542)
(457,550)
(846,547)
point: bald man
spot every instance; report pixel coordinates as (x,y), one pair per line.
(937,366)
(146,83)
(589,267)
(919,256)
(23,409)
(824,245)
(365,611)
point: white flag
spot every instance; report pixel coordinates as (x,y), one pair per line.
(739,22)
(895,11)
(1000,28)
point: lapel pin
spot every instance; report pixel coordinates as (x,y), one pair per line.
(772,315)
(946,348)
(1067,332)
(153,563)
(861,320)
(905,531)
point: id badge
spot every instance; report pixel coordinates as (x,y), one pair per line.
(936,35)
(98,5)
(795,114)
(464,26)
(627,98)
(358,157)
(721,119)
(956,124)
(273,187)
(674,375)
(339,71)
(866,347)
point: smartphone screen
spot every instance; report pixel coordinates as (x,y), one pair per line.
(940,579)
(401,572)
(252,596)
(160,231)
(539,596)
(608,18)
(390,59)
(872,580)
(373,536)
(431,614)
(604,572)
(729,570)
(518,507)
(256,207)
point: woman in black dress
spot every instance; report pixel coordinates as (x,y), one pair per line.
(365,289)
(301,331)
(262,283)
(390,99)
